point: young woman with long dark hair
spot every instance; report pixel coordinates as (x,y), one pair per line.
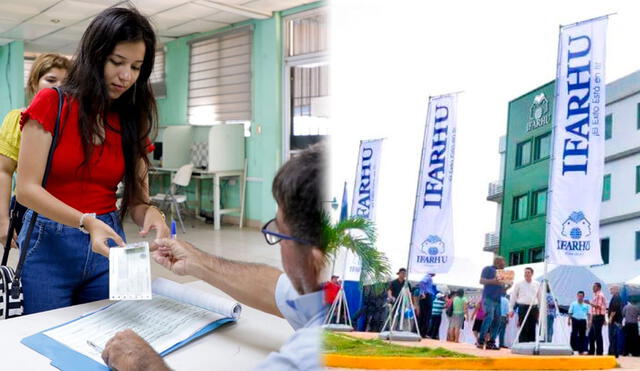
(109,112)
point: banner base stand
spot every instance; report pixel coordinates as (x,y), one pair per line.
(542,349)
(399,336)
(338,327)
(399,328)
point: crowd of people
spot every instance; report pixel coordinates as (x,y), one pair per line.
(489,314)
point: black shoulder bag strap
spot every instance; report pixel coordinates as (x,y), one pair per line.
(15,285)
(13,217)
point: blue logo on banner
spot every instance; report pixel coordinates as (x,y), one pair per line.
(576,228)
(433,248)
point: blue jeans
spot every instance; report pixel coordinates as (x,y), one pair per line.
(615,345)
(491,322)
(60,269)
(504,321)
(550,319)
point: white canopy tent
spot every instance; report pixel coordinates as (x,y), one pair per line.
(565,280)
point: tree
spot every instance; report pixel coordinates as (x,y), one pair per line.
(358,235)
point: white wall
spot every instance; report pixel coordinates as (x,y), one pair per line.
(625,134)
(624,199)
(622,258)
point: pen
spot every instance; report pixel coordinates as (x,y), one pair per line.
(95,347)
(174,231)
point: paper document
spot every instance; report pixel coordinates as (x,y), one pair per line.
(162,322)
(130,272)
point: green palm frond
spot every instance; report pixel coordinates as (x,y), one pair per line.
(358,235)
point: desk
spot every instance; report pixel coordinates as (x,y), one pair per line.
(240,346)
(217,177)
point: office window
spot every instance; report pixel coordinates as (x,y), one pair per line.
(220,78)
(638,116)
(157,75)
(306,33)
(542,147)
(606,188)
(516,258)
(523,153)
(638,245)
(638,179)
(604,250)
(539,202)
(608,126)
(520,207)
(536,255)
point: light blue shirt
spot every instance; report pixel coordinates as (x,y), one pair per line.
(305,314)
(426,285)
(504,306)
(579,311)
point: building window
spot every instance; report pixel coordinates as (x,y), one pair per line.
(516,258)
(523,154)
(638,179)
(539,202)
(604,250)
(520,207)
(536,255)
(220,78)
(157,75)
(608,126)
(542,147)
(638,116)
(606,188)
(638,245)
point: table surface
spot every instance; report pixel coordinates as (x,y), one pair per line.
(239,346)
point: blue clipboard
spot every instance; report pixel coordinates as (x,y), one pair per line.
(67,359)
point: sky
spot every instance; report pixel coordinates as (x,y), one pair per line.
(388,57)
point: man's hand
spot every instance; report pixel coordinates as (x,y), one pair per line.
(128,351)
(177,256)
(511,314)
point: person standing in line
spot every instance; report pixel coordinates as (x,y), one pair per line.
(436,316)
(425,299)
(631,312)
(448,310)
(615,321)
(491,303)
(395,286)
(504,319)
(598,319)
(477,317)
(525,297)
(578,317)
(460,308)
(551,315)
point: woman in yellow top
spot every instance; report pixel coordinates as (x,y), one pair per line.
(47,71)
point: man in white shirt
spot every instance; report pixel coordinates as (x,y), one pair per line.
(295,295)
(525,296)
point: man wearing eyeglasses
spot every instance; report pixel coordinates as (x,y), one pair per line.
(295,295)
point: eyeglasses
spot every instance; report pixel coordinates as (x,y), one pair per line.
(273,236)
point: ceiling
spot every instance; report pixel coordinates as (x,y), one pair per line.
(57,25)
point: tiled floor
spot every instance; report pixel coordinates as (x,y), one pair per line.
(230,242)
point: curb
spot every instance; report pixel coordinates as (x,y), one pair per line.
(432,363)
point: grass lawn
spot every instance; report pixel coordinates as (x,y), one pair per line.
(339,343)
